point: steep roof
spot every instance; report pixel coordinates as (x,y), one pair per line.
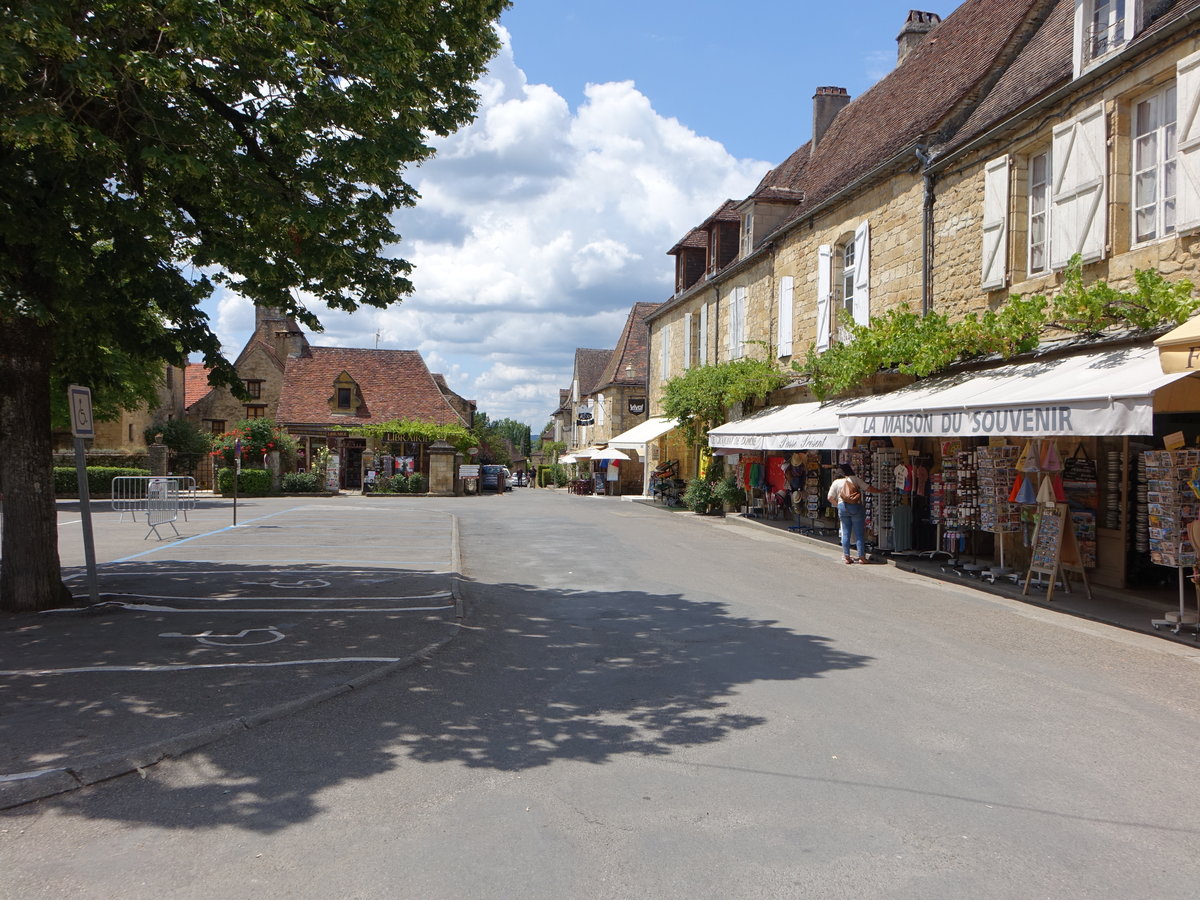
(630,361)
(394,384)
(1044,64)
(697,237)
(589,366)
(935,84)
(195,384)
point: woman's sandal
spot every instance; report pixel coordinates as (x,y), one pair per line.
(847,560)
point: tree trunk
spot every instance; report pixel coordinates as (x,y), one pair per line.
(30,576)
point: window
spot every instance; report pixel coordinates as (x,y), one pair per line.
(256,412)
(217,426)
(1154,166)
(131,432)
(253,387)
(845,258)
(343,398)
(1106,29)
(1039,213)
(747,234)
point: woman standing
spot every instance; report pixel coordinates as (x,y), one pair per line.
(849,494)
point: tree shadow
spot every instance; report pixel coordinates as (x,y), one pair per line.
(537,676)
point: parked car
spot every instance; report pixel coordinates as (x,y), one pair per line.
(488,477)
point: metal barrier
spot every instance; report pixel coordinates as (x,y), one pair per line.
(131,493)
(162,505)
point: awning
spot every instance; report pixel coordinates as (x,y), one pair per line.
(641,434)
(797,426)
(567,460)
(1179,349)
(1105,392)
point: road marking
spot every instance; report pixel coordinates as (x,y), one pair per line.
(87,670)
(118,594)
(212,640)
(302,583)
(150,607)
(197,537)
(72,522)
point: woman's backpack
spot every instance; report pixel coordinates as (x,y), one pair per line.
(850,492)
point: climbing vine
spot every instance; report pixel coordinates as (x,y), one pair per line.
(920,345)
(699,398)
(409,430)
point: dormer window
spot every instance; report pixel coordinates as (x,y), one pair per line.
(1102,27)
(346,398)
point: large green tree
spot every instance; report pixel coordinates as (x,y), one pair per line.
(152,150)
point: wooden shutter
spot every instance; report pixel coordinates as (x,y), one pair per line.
(1078,188)
(687,341)
(824,294)
(704,334)
(995,223)
(785,316)
(742,304)
(862,275)
(665,350)
(1187,148)
(737,320)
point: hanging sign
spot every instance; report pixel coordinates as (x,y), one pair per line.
(583,414)
(637,406)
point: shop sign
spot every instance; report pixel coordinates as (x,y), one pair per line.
(1005,420)
(583,415)
(637,406)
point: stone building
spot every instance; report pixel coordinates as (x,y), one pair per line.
(1010,138)
(317,393)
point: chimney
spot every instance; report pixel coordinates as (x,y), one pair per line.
(827,103)
(915,30)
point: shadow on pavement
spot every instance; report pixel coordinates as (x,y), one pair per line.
(538,676)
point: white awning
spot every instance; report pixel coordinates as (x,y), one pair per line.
(797,426)
(641,434)
(1105,392)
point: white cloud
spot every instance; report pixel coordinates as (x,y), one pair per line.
(538,227)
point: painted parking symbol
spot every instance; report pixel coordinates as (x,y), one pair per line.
(247,637)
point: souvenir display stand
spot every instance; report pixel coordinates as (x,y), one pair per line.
(1055,551)
(880,506)
(1173,509)
(996,470)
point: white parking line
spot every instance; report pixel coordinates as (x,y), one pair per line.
(88,670)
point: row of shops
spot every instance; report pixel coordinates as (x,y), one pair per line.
(974,465)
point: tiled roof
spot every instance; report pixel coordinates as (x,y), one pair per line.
(786,180)
(564,400)
(1044,64)
(697,237)
(726,212)
(394,384)
(589,366)
(629,362)
(941,77)
(195,384)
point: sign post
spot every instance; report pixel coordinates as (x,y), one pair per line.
(237,473)
(79,399)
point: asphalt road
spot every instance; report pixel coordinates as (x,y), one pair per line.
(651,704)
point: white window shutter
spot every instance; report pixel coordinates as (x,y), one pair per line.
(1079,221)
(995,223)
(742,323)
(665,350)
(862,274)
(1187,148)
(687,341)
(731,324)
(824,294)
(704,334)
(785,316)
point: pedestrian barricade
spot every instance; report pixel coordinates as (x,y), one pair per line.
(131,493)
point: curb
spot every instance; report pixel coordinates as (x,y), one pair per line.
(26,788)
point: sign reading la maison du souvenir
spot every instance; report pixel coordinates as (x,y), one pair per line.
(1021,421)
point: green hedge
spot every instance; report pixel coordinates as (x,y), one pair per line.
(251,483)
(299,483)
(66,481)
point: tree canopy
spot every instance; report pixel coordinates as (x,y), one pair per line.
(152,151)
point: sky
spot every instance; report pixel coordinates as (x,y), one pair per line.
(606,130)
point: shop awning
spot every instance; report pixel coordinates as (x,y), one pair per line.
(797,426)
(1105,392)
(641,434)
(1179,349)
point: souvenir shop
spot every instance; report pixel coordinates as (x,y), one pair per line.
(979,468)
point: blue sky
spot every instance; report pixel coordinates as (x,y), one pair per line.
(606,130)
